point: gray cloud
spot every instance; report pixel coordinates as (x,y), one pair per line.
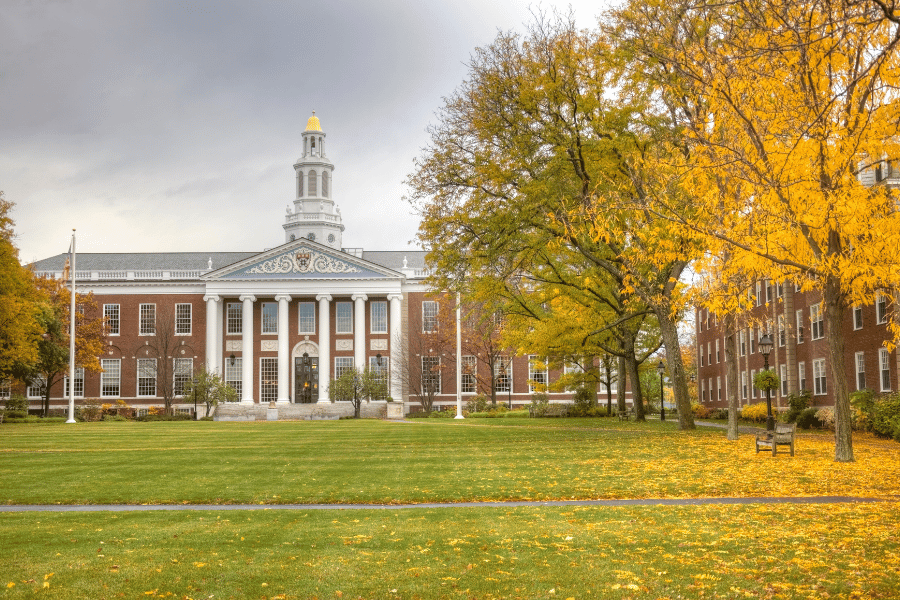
(172,125)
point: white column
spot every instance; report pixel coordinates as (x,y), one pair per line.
(284,358)
(396,345)
(324,346)
(212,336)
(359,330)
(459,414)
(220,336)
(247,366)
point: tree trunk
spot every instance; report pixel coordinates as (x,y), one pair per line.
(790,333)
(636,394)
(835,303)
(669,330)
(622,383)
(731,375)
(608,373)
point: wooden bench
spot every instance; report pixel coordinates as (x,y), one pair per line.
(782,436)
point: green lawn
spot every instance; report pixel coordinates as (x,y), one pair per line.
(753,551)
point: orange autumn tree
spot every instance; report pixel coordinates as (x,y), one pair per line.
(784,104)
(52,362)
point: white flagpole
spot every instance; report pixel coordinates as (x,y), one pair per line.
(459,414)
(72,336)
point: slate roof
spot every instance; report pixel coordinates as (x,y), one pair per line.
(187,261)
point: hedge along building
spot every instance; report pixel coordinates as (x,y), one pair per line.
(280,324)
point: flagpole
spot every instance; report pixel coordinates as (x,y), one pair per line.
(459,414)
(72,337)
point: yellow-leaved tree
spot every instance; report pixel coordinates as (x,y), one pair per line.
(784,104)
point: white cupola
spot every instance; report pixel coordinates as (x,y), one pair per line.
(314,215)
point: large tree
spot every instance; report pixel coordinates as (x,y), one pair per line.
(52,362)
(530,158)
(20,324)
(785,104)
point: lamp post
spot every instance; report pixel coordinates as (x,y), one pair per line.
(194,394)
(765,346)
(661,368)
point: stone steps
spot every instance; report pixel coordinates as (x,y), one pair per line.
(233,411)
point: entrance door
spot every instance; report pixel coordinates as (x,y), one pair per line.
(306,379)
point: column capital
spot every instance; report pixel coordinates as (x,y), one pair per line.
(321,297)
(213,297)
(359,296)
(280,297)
(249,297)
(395,296)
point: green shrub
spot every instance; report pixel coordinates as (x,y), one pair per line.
(443,414)
(90,410)
(584,397)
(477,404)
(114,418)
(518,413)
(539,403)
(885,417)
(718,414)
(17,402)
(797,404)
(8,415)
(162,417)
(807,418)
(755,412)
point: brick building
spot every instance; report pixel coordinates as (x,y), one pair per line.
(278,324)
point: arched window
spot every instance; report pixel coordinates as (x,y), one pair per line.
(299,184)
(312,183)
(324,184)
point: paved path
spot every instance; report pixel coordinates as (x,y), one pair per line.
(509,504)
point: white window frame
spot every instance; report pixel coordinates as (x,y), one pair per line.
(743,385)
(857,318)
(753,383)
(507,385)
(430,373)
(343,317)
(234,375)
(430,310)
(881,308)
(111,375)
(183,318)
(702,390)
(859,359)
(143,370)
(718,355)
(537,372)
(800,328)
(758,293)
(782,370)
(342,364)
(182,372)
(884,362)
(147,322)
(817,321)
(35,391)
(801,376)
(718,387)
(234,319)
(820,380)
(268,318)
(268,379)
(111,319)
(79,383)
(469,371)
(743,343)
(307,318)
(782,332)
(378,316)
(5,388)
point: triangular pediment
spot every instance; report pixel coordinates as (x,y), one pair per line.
(302,259)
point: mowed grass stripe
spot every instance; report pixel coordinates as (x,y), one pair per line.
(389,463)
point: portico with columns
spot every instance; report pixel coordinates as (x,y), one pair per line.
(355,304)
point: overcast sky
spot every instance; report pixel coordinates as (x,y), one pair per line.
(172,125)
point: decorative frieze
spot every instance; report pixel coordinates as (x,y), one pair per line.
(269,345)
(233,345)
(343,345)
(381,344)
(303,260)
